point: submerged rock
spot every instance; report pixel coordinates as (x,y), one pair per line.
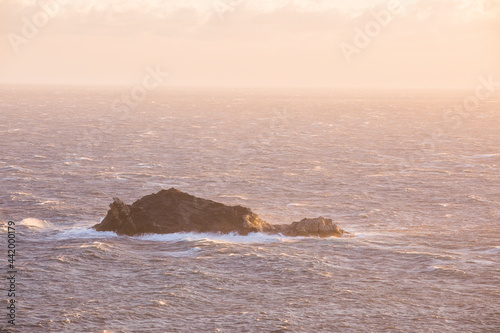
(171,211)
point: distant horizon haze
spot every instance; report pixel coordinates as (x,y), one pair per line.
(290,44)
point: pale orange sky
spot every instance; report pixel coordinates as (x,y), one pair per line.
(279,43)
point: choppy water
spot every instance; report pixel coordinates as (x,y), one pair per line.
(418,186)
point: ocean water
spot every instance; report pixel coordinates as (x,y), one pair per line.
(415,179)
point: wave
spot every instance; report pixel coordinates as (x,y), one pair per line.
(494,250)
(83,233)
(429,254)
(158,302)
(89,233)
(34,223)
(218,238)
(483,155)
(149,165)
(106,247)
(86,232)
(194,252)
(298,204)
(445,269)
(14,169)
(47,202)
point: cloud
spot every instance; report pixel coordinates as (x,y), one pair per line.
(191,16)
(256,42)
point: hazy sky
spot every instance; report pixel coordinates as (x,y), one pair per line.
(310,43)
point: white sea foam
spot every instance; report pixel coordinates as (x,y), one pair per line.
(89,233)
(33,223)
(149,165)
(97,245)
(218,238)
(47,202)
(158,302)
(85,233)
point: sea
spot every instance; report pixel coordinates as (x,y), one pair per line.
(412,175)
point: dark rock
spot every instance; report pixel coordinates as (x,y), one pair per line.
(318,227)
(171,211)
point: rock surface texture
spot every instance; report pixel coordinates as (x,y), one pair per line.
(170,211)
(318,227)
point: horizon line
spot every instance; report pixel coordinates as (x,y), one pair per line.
(232,87)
